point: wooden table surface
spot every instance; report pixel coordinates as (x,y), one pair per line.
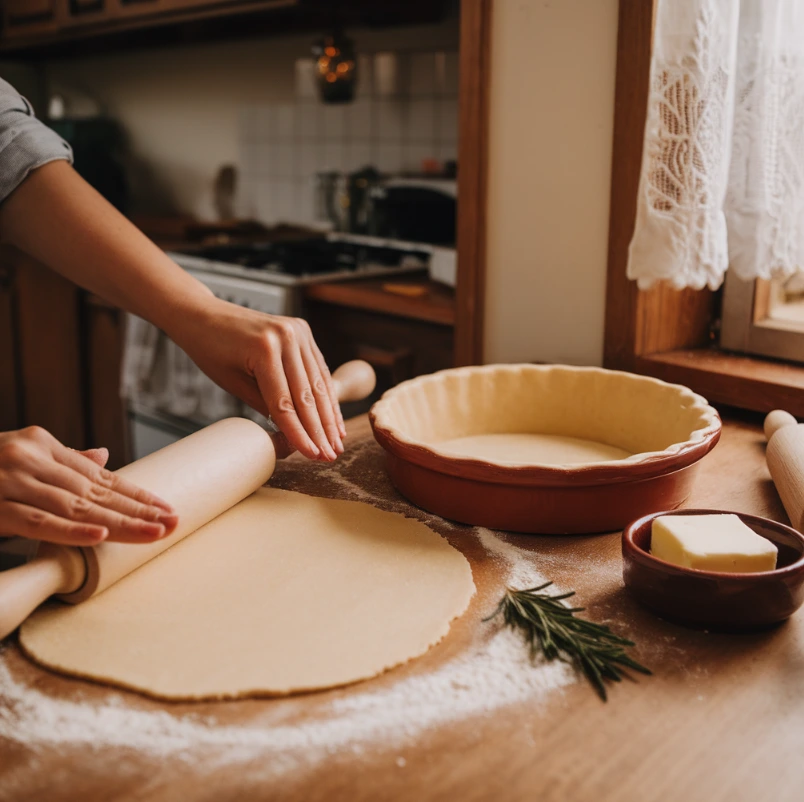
(721,719)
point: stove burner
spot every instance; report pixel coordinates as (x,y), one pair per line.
(308,257)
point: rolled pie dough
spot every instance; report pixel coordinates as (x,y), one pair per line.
(283,592)
(542,449)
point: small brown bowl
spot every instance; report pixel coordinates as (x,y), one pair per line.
(712,599)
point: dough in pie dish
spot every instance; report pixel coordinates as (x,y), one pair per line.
(519,448)
(543,415)
(282,593)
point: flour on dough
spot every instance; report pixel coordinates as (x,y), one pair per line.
(532,449)
(282,593)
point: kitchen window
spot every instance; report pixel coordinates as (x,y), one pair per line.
(662,331)
(764,318)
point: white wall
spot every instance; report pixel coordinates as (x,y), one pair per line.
(180,105)
(552,109)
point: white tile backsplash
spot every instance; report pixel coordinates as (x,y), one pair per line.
(334,154)
(449,85)
(422,74)
(421,121)
(447,126)
(414,153)
(359,122)
(265,119)
(332,122)
(283,160)
(447,151)
(386,75)
(388,156)
(305,79)
(365,71)
(405,111)
(309,159)
(389,120)
(284,200)
(308,115)
(305,200)
(285,123)
(262,159)
(358,154)
(264,202)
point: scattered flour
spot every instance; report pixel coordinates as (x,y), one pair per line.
(493,672)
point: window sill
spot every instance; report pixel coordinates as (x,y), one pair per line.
(722,378)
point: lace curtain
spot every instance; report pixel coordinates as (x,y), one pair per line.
(722,180)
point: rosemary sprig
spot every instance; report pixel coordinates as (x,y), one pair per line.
(550,626)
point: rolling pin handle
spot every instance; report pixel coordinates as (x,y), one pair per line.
(354,380)
(56,569)
(776,420)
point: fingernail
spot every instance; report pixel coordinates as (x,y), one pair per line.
(337,445)
(169,522)
(96,533)
(152,529)
(315,449)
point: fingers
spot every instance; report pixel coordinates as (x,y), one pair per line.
(330,384)
(273,385)
(40,525)
(50,492)
(107,480)
(120,527)
(97,455)
(323,402)
(305,401)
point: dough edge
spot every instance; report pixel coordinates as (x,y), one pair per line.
(470,591)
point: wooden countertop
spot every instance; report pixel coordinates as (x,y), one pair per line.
(435,302)
(722,719)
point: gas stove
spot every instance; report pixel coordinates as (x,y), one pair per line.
(295,263)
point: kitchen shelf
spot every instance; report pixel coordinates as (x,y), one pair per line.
(436,305)
(39,29)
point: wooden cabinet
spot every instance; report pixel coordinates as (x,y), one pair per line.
(31,24)
(60,356)
(28,17)
(87,12)
(400,336)
(10,387)
(50,348)
(41,28)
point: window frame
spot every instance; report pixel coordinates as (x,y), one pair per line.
(747,326)
(664,332)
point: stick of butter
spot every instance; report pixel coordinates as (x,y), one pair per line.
(711,543)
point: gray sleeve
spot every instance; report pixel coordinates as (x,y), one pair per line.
(25,142)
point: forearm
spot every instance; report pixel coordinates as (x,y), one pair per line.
(60,220)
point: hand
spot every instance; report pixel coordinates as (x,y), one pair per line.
(274,365)
(50,492)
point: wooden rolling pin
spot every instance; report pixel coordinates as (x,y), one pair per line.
(785,457)
(202,476)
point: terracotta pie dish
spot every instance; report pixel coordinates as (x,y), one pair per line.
(711,599)
(655,431)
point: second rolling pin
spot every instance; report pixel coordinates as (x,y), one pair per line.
(785,458)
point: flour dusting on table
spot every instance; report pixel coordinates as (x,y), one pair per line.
(493,672)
